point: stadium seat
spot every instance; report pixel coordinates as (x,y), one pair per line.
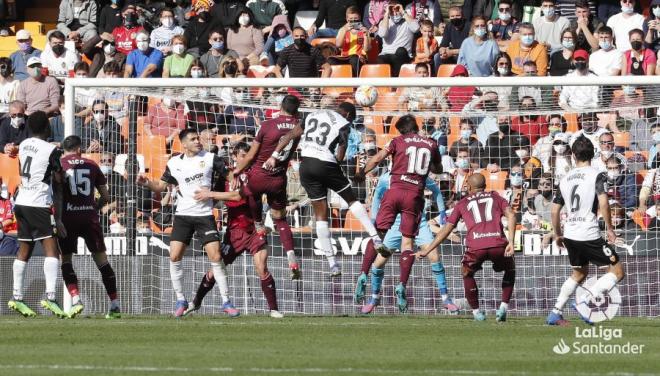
(495,181)
(571,122)
(386,101)
(156,166)
(318,41)
(140,127)
(445,70)
(352,223)
(9,171)
(376,70)
(176,146)
(96,157)
(259,71)
(153,148)
(407,70)
(641,219)
(622,139)
(375,123)
(339,71)
(631,153)
(305,19)
(454,130)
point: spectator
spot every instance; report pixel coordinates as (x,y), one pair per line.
(607,60)
(246,39)
(242,119)
(652,27)
(197,70)
(144,61)
(103,54)
(199,29)
(531,167)
(503,27)
(484,106)
(179,62)
(477,53)
(59,60)
(574,98)
(421,98)
(467,140)
(213,58)
(397,30)
(499,152)
(549,28)
(182,12)
(78,18)
(459,96)
(561,160)
(516,191)
(622,185)
(279,38)
(623,23)
(630,105)
(354,42)
(301,59)
(588,123)
(543,200)
(374,11)
(536,92)
(461,174)
(561,61)
(165,119)
(264,11)
(567,8)
(422,10)
(426,47)
(226,12)
(125,34)
(491,10)
(333,14)
(502,68)
(8,85)
(529,124)
(606,142)
(8,244)
(39,92)
(585,26)
(101,133)
(455,33)
(110,17)
(527,49)
(84,96)
(13,129)
(543,147)
(115,99)
(161,37)
(57,125)
(639,60)
(25,51)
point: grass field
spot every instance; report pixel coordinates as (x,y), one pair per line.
(396,345)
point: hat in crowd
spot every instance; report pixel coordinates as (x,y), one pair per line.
(563,137)
(32,61)
(581,54)
(23,34)
(198,5)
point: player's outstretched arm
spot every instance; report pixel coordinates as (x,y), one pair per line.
(58,201)
(293,134)
(105,194)
(439,238)
(155,186)
(373,162)
(511,227)
(205,194)
(555,216)
(604,207)
(247,161)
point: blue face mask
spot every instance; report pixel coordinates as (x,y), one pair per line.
(656,137)
(527,40)
(480,32)
(217,45)
(516,180)
(605,45)
(465,134)
(442,149)
(463,164)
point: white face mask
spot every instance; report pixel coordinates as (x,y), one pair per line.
(244,20)
(465,134)
(612,175)
(516,180)
(99,117)
(109,49)
(142,45)
(17,122)
(4,192)
(167,22)
(502,71)
(522,154)
(169,102)
(105,169)
(196,73)
(606,154)
(178,49)
(560,149)
(627,10)
(369,146)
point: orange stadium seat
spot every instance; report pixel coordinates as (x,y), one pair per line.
(571,122)
(96,157)
(318,41)
(375,123)
(495,181)
(156,166)
(259,71)
(631,153)
(352,223)
(445,70)
(387,101)
(376,70)
(622,139)
(339,71)
(383,139)
(407,70)
(9,171)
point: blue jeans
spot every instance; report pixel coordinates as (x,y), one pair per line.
(323,33)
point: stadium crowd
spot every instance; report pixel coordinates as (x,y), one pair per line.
(518,137)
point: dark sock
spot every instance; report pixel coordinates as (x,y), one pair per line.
(508,280)
(70,278)
(369,257)
(268,287)
(204,287)
(286,237)
(471,291)
(109,280)
(405,265)
(256,207)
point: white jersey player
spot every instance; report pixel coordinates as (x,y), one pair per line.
(41,180)
(322,147)
(583,191)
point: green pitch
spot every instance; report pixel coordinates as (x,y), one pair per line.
(260,345)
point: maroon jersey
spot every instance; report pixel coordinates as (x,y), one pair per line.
(412,156)
(268,136)
(82,176)
(482,213)
(238,212)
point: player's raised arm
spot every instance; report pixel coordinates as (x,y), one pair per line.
(205,194)
(555,216)
(511,227)
(244,163)
(155,186)
(604,206)
(439,238)
(372,163)
(293,134)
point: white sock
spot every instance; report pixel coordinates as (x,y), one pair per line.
(51,268)
(323,233)
(361,214)
(567,289)
(504,306)
(604,283)
(114,304)
(220,275)
(19,273)
(176,274)
(476,311)
(75,299)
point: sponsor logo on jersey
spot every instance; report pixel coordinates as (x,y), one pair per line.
(481,235)
(70,207)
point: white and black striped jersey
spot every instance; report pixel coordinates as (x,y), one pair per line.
(204,170)
(579,191)
(37,160)
(323,131)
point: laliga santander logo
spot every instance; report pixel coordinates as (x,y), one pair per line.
(597,308)
(561,348)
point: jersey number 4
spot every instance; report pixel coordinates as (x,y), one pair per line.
(316,132)
(79,182)
(25,170)
(475,208)
(418,160)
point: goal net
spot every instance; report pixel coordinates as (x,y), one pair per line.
(516,131)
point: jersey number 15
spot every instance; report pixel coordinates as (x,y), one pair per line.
(79,182)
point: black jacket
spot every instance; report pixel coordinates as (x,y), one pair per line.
(111,139)
(9,134)
(197,33)
(333,12)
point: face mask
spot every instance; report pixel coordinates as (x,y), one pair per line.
(178,49)
(244,20)
(581,65)
(527,40)
(109,49)
(300,42)
(656,137)
(442,149)
(606,154)
(217,45)
(463,164)
(17,122)
(35,72)
(505,16)
(636,45)
(99,118)
(553,131)
(143,45)
(130,20)
(504,128)
(105,169)
(560,149)
(457,22)
(196,73)
(24,46)
(490,106)
(605,45)
(522,154)
(281,33)
(627,10)
(613,175)
(58,49)
(549,12)
(656,12)
(397,18)
(546,194)
(503,71)
(167,22)
(568,44)
(465,134)
(516,180)
(169,102)
(480,32)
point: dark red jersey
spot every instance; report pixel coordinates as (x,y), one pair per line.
(269,135)
(82,177)
(412,157)
(238,212)
(482,213)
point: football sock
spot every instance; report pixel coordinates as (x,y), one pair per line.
(323,233)
(286,237)
(471,291)
(369,257)
(19,273)
(504,306)
(405,265)
(361,214)
(220,275)
(256,208)
(508,281)
(604,283)
(567,289)
(268,288)
(71,281)
(109,280)
(205,286)
(176,274)
(438,271)
(377,276)
(51,266)
(475,311)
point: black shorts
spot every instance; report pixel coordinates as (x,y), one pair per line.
(34,223)
(598,252)
(85,227)
(185,226)
(318,176)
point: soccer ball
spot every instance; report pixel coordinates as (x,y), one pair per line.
(597,308)
(366,96)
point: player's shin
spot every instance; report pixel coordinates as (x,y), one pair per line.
(110,283)
(220,275)
(51,266)
(71,281)
(604,284)
(361,214)
(369,257)
(19,278)
(567,289)
(405,265)
(508,280)
(176,275)
(438,271)
(377,275)
(471,291)
(323,234)
(205,286)
(268,288)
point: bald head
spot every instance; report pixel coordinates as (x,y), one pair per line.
(477,182)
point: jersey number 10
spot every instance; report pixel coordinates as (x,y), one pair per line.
(418,160)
